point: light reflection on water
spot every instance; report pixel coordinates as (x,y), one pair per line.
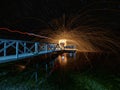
(21,67)
(65,58)
(62,59)
(35,72)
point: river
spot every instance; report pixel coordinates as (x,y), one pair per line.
(67,71)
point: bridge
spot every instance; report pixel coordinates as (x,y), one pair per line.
(11,50)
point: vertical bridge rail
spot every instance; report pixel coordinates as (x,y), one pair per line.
(15,49)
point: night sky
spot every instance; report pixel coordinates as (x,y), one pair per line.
(92,26)
(36,15)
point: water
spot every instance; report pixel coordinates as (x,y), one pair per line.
(72,71)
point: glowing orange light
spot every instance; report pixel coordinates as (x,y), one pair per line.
(21,67)
(62,43)
(62,59)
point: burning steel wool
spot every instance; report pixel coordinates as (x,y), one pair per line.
(62,43)
(85,38)
(87,29)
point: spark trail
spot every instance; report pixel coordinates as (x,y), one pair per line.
(25,33)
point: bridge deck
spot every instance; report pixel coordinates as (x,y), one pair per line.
(4,59)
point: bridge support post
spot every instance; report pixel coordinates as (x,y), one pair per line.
(5,48)
(46,46)
(17,48)
(46,68)
(24,47)
(36,47)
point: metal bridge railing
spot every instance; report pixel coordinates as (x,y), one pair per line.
(16,49)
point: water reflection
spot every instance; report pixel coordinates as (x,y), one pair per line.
(20,67)
(62,59)
(72,55)
(31,73)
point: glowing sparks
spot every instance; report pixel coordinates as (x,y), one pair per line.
(86,38)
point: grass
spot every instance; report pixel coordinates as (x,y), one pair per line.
(83,81)
(62,80)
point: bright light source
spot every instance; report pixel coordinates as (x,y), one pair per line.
(62,43)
